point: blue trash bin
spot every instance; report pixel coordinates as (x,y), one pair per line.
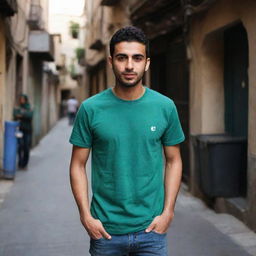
(10,149)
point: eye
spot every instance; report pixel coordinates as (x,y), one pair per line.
(120,58)
(138,58)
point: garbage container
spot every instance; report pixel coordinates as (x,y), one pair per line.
(222,165)
(10,149)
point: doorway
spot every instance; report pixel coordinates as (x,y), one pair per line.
(236,89)
(19,78)
(169,76)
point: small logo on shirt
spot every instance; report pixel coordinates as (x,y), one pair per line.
(153,128)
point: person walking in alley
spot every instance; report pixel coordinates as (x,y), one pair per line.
(72,106)
(24,114)
(128,127)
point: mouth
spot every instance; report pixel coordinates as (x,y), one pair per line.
(129,75)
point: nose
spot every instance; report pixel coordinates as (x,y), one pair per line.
(129,64)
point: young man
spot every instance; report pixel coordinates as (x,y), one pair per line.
(128,127)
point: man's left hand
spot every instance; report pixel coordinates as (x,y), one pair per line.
(161,223)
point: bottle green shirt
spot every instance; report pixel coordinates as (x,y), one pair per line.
(127,139)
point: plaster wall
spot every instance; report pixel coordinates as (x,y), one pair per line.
(206,80)
(207,85)
(13,41)
(2,87)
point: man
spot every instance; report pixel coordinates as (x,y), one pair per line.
(72,106)
(127,127)
(24,114)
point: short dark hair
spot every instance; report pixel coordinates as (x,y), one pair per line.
(128,34)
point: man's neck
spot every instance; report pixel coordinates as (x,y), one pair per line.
(129,93)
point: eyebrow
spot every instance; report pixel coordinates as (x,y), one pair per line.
(138,55)
(125,55)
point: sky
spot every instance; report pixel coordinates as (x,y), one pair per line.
(68,7)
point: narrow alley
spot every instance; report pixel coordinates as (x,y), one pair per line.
(177,75)
(39,217)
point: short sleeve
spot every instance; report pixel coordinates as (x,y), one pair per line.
(173,133)
(81,135)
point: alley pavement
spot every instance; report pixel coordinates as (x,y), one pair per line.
(38,215)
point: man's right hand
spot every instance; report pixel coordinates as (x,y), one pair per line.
(95,228)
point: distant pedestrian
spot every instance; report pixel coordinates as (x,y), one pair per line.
(63,109)
(72,106)
(128,127)
(24,114)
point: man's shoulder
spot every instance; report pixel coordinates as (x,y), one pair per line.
(96,99)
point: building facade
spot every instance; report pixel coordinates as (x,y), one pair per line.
(26,49)
(223,92)
(8,9)
(70,26)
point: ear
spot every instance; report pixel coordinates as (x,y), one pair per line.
(110,61)
(147,64)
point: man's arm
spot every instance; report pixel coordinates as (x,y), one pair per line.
(79,185)
(27,114)
(172,180)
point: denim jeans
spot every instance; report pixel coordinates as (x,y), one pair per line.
(24,148)
(134,244)
(71,118)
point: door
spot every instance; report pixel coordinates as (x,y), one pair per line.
(236,90)
(177,88)
(19,78)
(169,76)
(236,81)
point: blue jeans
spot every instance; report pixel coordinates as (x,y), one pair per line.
(134,244)
(71,118)
(24,144)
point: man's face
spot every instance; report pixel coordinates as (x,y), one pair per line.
(129,63)
(22,100)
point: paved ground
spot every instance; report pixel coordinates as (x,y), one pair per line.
(38,216)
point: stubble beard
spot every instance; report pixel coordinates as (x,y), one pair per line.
(127,84)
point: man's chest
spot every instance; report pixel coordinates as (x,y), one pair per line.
(148,125)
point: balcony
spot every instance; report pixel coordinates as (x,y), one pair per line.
(41,45)
(109,2)
(8,7)
(35,21)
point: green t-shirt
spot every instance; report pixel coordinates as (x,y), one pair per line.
(127,139)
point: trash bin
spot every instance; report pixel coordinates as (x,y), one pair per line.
(222,164)
(10,149)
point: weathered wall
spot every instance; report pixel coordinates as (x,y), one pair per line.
(2,87)
(13,42)
(206,79)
